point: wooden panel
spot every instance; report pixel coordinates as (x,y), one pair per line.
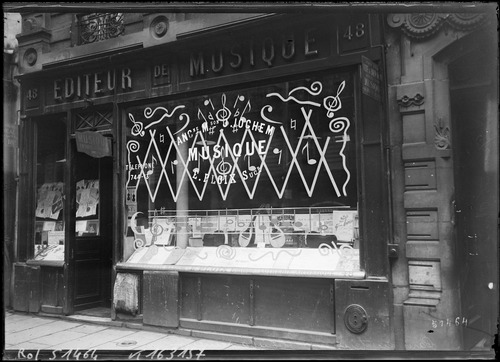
(160,298)
(26,288)
(420,175)
(373,297)
(225,299)
(373,218)
(422,225)
(277,333)
(293,303)
(61,296)
(189,297)
(49,278)
(424,274)
(87,271)
(414,128)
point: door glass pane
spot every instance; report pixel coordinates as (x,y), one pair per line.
(49,215)
(87,195)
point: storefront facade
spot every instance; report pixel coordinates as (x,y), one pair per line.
(232,174)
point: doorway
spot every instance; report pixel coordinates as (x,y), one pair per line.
(92,246)
(474,115)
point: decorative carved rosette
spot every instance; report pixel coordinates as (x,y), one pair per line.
(159,26)
(424,25)
(466,21)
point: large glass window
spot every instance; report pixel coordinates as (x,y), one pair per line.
(268,167)
(50,162)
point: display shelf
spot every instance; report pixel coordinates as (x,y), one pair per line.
(264,227)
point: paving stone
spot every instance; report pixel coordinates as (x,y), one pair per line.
(322,347)
(95,340)
(30,345)
(279,344)
(231,338)
(88,328)
(140,338)
(36,332)
(204,344)
(26,324)
(60,337)
(171,342)
(241,347)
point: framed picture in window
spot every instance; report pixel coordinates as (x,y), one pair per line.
(93,227)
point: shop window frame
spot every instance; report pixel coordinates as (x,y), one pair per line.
(374,218)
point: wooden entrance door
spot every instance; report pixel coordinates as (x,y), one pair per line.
(92,245)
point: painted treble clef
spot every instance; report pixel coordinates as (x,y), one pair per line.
(137,128)
(332,103)
(224,113)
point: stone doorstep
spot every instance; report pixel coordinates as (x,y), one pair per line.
(257,342)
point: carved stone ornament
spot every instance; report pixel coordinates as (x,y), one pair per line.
(159,26)
(442,137)
(406,101)
(424,25)
(30,24)
(30,56)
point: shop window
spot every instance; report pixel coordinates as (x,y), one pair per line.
(242,172)
(97,27)
(49,215)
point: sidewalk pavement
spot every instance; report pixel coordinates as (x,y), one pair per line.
(34,332)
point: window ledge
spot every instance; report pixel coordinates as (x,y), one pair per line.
(53,263)
(289,262)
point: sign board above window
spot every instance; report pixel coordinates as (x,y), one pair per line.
(93,144)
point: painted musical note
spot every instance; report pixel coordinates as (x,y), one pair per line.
(278,151)
(209,101)
(172,163)
(196,170)
(224,113)
(200,115)
(250,168)
(238,98)
(293,123)
(162,138)
(247,106)
(310,161)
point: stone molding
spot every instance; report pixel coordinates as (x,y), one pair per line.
(425,25)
